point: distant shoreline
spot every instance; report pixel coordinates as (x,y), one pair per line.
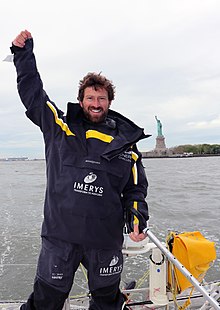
(12,159)
(18,159)
(178,156)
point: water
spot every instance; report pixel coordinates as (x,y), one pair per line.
(183,195)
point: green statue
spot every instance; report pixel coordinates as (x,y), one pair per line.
(159,127)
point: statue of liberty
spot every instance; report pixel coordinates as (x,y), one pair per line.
(159,127)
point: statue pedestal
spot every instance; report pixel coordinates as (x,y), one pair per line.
(160,145)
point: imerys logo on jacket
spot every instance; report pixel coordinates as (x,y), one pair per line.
(113,268)
(86,187)
(91,177)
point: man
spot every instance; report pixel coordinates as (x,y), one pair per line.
(94,177)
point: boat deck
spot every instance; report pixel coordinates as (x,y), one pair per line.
(16,306)
(196,303)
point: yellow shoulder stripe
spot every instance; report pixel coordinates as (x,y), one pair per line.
(59,121)
(134,156)
(99,135)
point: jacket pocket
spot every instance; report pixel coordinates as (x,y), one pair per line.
(54,266)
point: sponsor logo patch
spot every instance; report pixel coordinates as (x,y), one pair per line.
(112,269)
(87,188)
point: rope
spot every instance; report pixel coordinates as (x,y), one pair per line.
(142,279)
(84,271)
(85,275)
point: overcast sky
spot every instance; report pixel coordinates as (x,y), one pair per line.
(162,55)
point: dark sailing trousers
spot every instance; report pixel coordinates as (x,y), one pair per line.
(57,264)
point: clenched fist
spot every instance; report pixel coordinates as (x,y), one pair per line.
(21,38)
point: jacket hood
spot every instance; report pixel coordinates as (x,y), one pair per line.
(128,132)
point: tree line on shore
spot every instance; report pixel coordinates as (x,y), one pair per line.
(199,149)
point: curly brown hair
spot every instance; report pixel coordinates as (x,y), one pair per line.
(96,80)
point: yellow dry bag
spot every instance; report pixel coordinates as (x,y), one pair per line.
(194,252)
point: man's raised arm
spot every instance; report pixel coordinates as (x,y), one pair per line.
(29,84)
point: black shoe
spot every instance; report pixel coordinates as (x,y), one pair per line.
(130,285)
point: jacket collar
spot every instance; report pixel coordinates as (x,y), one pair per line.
(128,132)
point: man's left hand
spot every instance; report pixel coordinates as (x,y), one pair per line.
(135,235)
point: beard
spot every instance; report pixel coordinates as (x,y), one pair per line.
(95,117)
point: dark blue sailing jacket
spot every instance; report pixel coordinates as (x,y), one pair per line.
(94,171)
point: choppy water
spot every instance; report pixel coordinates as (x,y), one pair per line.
(184,195)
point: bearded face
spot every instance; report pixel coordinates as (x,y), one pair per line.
(95,104)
